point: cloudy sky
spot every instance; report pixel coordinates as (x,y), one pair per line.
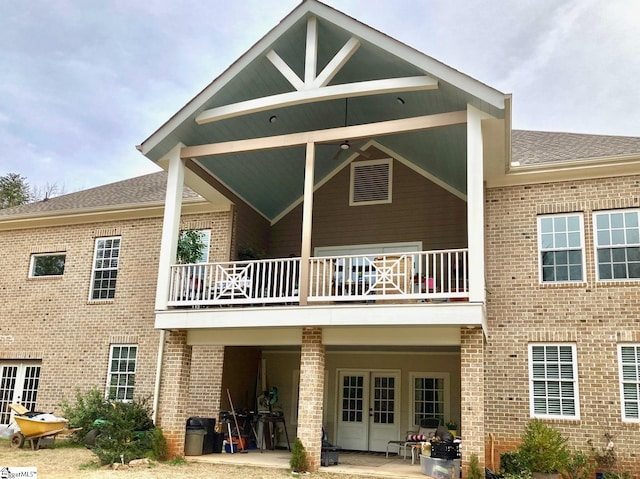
(84,81)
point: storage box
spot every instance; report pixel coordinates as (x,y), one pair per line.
(440,468)
(445,450)
(227,447)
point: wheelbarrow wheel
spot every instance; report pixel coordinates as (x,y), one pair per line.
(17,440)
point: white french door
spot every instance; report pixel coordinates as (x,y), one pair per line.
(19,382)
(368,409)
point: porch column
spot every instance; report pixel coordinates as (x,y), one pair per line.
(170,226)
(311,394)
(475,204)
(307,219)
(174,391)
(472,394)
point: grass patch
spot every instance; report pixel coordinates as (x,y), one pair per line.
(176,461)
(89,466)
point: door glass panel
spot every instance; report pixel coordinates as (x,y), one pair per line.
(7,386)
(384,400)
(352,395)
(30,387)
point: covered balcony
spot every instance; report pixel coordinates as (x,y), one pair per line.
(425,276)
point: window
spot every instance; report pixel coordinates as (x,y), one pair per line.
(430,397)
(617,238)
(105,268)
(122,372)
(560,247)
(47,264)
(553,381)
(370,182)
(629,365)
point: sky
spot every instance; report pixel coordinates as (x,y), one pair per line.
(82,82)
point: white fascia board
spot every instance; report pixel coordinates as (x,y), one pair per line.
(419,314)
(258,49)
(305,96)
(579,169)
(411,55)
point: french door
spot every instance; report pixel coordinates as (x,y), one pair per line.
(19,382)
(368,409)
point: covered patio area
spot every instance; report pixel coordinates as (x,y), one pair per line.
(350,463)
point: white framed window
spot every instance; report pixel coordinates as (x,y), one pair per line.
(105,268)
(429,397)
(629,367)
(553,381)
(47,264)
(121,379)
(370,182)
(561,248)
(617,245)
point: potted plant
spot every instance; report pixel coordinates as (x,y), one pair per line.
(452,426)
(190,247)
(543,450)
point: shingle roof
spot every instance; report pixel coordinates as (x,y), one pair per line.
(142,189)
(528,148)
(544,147)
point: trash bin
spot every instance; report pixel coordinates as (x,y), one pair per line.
(194,437)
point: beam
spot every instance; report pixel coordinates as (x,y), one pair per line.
(337,62)
(311,52)
(323,136)
(286,71)
(350,90)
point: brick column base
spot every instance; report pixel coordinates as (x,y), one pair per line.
(311,394)
(174,389)
(472,392)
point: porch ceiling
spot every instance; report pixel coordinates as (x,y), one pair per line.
(273,180)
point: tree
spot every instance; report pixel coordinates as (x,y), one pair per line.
(14,190)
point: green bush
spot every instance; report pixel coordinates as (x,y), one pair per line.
(511,464)
(88,407)
(475,472)
(543,448)
(298,460)
(121,431)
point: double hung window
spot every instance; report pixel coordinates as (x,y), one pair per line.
(560,247)
(553,381)
(629,364)
(617,243)
(105,268)
(121,379)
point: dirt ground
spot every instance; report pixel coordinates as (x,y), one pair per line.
(75,463)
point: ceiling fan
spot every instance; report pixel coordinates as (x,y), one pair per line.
(346,145)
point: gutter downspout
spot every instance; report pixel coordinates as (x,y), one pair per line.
(156,388)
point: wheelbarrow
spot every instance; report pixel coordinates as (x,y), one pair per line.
(34,426)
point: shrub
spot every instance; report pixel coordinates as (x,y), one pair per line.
(474,468)
(579,466)
(511,464)
(119,431)
(298,460)
(543,448)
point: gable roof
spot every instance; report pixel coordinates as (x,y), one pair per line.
(545,147)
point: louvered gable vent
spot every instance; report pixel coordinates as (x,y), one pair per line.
(370,182)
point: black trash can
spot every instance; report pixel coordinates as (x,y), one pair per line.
(194,437)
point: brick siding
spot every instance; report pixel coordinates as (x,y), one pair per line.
(595,316)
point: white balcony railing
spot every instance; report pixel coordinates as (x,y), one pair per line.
(415,276)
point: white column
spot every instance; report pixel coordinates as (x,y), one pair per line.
(475,204)
(170,225)
(307,218)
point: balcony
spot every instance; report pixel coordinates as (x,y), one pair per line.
(413,277)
